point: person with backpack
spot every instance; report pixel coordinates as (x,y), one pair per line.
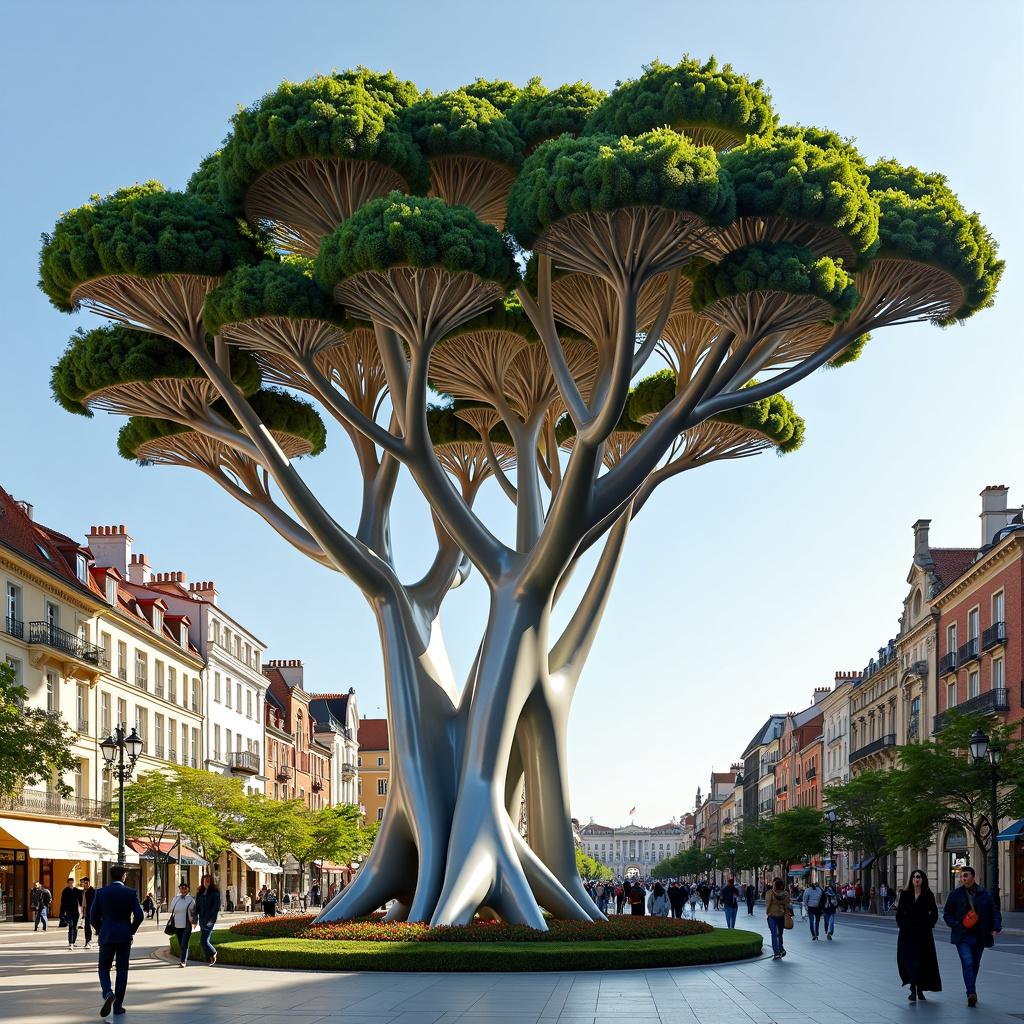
(658,903)
(829,905)
(974,920)
(729,896)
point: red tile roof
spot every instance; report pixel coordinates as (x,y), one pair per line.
(373,734)
(723,776)
(951,563)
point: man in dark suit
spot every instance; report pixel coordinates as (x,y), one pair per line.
(116,916)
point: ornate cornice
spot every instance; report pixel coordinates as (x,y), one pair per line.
(1011,547)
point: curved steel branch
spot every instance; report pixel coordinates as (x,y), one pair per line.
(396,368)
(497,472)
(643,353)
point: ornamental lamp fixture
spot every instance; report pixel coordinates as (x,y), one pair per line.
(134,744)
(979,746)
(831,816)
(109,749)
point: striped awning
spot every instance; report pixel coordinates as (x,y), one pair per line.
(1012,832)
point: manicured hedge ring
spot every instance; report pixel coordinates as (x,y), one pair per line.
(657,942)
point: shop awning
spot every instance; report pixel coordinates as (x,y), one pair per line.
(865,863)
(799,872)
(1012,832)
(52,840)
(255,859)
(166,852)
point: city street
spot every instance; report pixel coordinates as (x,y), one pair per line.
(851,980)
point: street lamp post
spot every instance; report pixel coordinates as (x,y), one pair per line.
(830,817)
(981,750)
(120,752)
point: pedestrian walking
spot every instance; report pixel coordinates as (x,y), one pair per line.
(676,899)
(829,903)
(149,906)
(729,897)
(657,903)
(812,897)
(883,898)
(116,916)
(230,903)
(751,897)
(88,897)
(778,906)
(207,909)
(39,901)
(916,916)
(636,897)
(620,899)
(70,910)
(693,901)
(974,920)
(181,916)
(268,899)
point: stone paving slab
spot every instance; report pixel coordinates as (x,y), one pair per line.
(852,980)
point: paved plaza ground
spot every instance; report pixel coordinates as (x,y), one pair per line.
(852,980)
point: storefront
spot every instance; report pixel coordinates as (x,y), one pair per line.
(162,866)
(247,869)
(1014,836)
(13,885)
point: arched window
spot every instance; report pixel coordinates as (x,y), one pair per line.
(917,604)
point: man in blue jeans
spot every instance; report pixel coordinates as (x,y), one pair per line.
(39,901)
(971,937)
(729,897)
(116,916)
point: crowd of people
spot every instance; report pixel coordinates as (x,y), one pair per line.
(650,896)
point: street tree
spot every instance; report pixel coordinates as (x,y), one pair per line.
(346,238)
(35,745)
(281,827)
(754,851)
(795,834)
(865,807)
(222,799)
(591,869)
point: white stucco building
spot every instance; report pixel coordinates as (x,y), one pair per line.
(337,725)
(634,849)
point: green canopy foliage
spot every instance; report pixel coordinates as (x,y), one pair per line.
(204,182)
(462,124)
(864,805)
(142,230)
(796,833)
(921,220)
(782,267)
(278,410)
(600,173)
(35,746)
(794,178)
(350,115)
(689,94)
(113,354)
(850,354)
(268,289)
(500,94)
(507,315)
(823,138)
(540,114)
(773,417)
(385,86)
(397,230)
(445,427)
(592,870)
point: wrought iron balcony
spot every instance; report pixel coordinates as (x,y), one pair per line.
(83,726)
(811,773)
(348,769)
(158,688)
(994,635)
(61,640)
(888,740)
(122,673)
(947,663)
(283,772)
(994,702)
(317,784)
(14,627)
(140,680)
(53,805)
(158,751)
(245,762)
(968,651)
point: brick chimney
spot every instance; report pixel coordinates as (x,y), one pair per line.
(290,669)
(922,552)
(111,546)
(139,571)
(994,515)
(204,591)
(820,693)
(26,506)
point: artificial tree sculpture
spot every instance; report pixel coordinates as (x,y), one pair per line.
(344,244)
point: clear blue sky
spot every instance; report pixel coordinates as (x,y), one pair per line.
(745,585)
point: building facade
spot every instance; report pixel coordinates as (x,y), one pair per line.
(374,765)
(337,726)
(632,850)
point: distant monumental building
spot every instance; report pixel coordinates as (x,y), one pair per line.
(633,849)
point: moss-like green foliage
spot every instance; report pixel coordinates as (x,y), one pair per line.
(599,173)
(689,94)
(823,138)
(540,114)
(507,315)
(777,268)
(385,86)
(278,411)
(445,427)
(459,124)
(112,355)
(791,177)
(268,289)
(205,180)
(142,230)
(498,93)
(850,354)
(922,220)
(397,230)
(773,417)
(351,117)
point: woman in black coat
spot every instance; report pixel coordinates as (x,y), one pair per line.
(916,915)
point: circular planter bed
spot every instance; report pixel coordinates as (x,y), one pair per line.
(373,945)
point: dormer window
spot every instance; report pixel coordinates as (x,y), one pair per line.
(158,618)
(111,590)
(81,568)
(183,635)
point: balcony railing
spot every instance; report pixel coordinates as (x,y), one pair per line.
(158,688)
(811,773)
(888,740)
(995,634)
(58,639)
(947,663)
(317,784)
(172,755)
(83,726)
(283,772)
(14,627)
(991,702)
(245,762)
(54,805)
(140,679)
(158,751)
(968,651)
(122,673)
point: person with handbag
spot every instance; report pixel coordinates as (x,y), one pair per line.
(181,916)
(207,909)
(916,916)
(71,910)
(778,906)
(974,920)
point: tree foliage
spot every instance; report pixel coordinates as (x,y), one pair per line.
(782,267)
(35,745)
(591,869)
(686,95)
(142,230)
(864,807)
(350,116)
(601,173)
(795,834)
(460,123)
(280,827)
(398,230)
(500,94)
(540,114)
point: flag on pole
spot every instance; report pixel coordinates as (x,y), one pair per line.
(632,811)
